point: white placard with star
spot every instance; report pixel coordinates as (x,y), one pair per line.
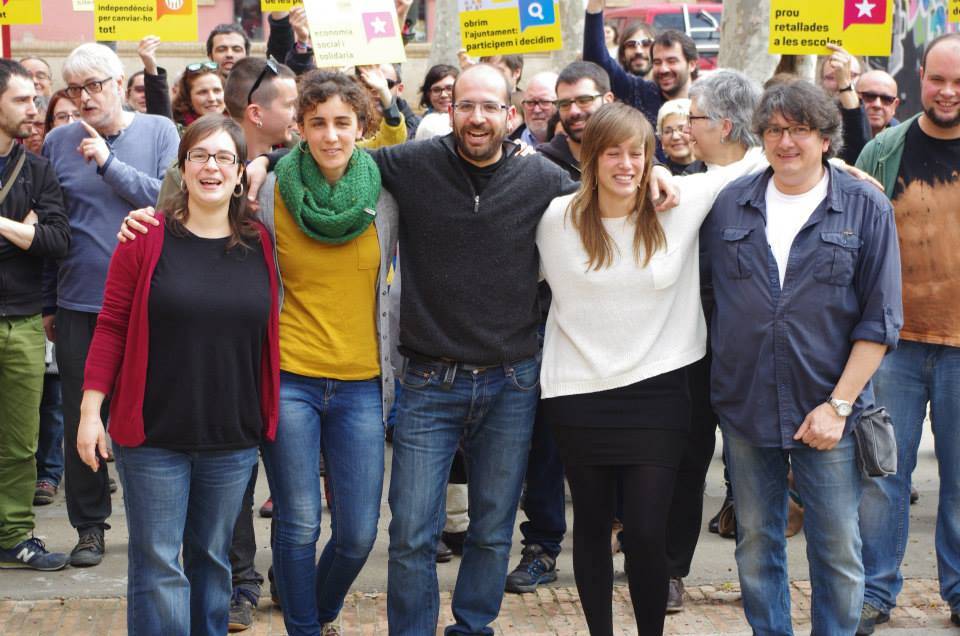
(354,32)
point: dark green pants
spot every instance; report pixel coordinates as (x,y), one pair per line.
(21,386)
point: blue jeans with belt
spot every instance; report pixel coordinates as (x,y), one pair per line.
(173,499)
(344,420)
(492,409)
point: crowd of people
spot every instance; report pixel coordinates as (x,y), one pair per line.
(518,283)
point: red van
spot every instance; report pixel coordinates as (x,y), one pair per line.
(701,21)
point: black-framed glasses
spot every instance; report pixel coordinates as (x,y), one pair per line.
(773,133)
(271,66)
(66,116)
(487,108)
(868,97)
(632,44)
(93,87)
(580,100)
(544,104)
(198,67)
(693,118)
(440,90)
(223,158)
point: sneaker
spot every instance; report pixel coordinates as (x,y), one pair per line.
(535,567)
(870,617)
(31,554)
(89,549)
(242,609)
(675,595)
(266,510)
(332,628)
(113,485)
(444,553)
(44,493)
(454,541)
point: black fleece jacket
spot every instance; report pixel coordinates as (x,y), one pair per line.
(557,150)
(36,188)
(470,263)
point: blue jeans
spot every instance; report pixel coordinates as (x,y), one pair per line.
(544,500)
(909,378)
(344,419)
(829,483)
(174,499)
(50,443)
(493,410)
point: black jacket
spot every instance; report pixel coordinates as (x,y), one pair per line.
(37,189)
(557,150)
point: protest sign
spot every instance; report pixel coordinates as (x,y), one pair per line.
(502,27)
(953,11)
(278,5)
(20,12)
(170,20)
(354,32)
(805,27)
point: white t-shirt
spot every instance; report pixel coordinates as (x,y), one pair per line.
(786,215)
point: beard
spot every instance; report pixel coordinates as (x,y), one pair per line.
(638,65)
(567,125)
(939,121)
(482,153)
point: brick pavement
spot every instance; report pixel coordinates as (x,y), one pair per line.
(551,611)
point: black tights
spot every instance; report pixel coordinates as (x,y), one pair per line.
(647,493)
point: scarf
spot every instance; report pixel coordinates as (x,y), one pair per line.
(331,214)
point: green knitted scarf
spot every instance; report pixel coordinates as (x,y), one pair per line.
(330,214)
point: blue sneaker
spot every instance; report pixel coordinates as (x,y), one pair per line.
(32,554)
(535,567)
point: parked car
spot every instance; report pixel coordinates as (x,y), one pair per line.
(701,21)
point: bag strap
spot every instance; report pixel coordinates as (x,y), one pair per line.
(13,177)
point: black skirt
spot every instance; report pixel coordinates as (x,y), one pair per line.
(645,423)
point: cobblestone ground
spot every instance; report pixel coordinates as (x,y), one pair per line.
(551,611)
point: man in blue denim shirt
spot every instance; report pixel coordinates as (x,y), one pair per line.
(806,272)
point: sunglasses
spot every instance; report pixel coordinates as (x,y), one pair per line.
(199,67)
(869,97)
(644,42)
(271,66)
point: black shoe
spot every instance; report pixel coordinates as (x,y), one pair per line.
(454,541)
(444,553)
(535,567)
(914,495)
(89,549)
(955,618)
(870,617)
(31,554)
(242,609)
(675,595)
(714,524)
(274,594)
(113,485)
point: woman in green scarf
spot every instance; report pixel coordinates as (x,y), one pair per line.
(335,234)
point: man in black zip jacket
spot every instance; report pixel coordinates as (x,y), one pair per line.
(33,226)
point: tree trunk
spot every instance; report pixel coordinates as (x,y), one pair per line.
(446,34)
(744,30)
(571,21)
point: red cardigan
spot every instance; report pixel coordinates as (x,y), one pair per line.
(117,359)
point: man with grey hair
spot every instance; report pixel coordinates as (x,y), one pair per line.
(539,105)
(108,163)
(806,277)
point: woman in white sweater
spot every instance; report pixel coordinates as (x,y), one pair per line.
(624,323)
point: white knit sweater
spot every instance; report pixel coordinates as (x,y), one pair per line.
(613,327)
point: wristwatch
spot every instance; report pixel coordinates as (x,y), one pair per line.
(842,407)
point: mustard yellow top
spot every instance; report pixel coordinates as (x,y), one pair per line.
(328,325)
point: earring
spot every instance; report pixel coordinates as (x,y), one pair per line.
(302,145)
(259,124)
(237,194)
(183,186)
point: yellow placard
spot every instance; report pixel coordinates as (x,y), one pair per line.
(502,27)
(953,11)
(83,5)
(278,5)
(805,27)
(20,12)
(354,32)
(170,20)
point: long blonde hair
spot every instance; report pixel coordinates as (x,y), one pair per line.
(610,126)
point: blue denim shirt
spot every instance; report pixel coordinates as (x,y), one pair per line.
(778,353)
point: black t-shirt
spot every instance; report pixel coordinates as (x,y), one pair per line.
(208,315)
(480,176)
(926,159)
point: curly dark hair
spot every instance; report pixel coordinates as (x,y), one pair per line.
(318,86)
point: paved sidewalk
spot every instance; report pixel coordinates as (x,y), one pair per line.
(550,611)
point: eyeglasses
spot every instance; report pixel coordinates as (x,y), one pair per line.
(92,88)
(693,118)
(391,83)
(199,67)
(581,100)
(543,104)
(223,158)
(271,66)
(65,117)
(868,97)
(632,44)
(683,129)
(487,108)
(440,90)
(773,133)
